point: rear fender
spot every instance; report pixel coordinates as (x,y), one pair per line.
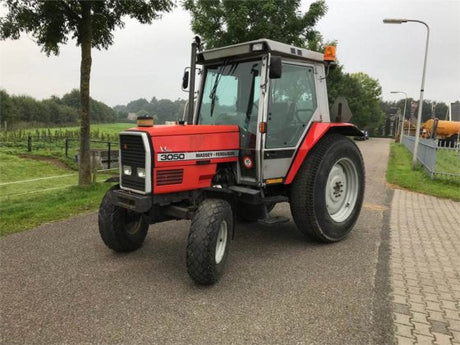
(316,132)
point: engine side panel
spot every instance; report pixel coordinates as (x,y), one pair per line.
(183,178)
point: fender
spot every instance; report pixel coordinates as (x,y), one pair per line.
(316,132)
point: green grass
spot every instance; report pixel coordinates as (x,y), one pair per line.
(107,128)
(41,199)
(13,168)
(52,141)
(29,212)
(448,161)
(400,173)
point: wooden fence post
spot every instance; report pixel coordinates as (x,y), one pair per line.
(67,147)
(109,158)
(93,165)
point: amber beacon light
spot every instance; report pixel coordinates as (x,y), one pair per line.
(329,54)
(145,121)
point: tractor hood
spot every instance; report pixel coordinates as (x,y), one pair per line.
(194,142)
(168,130)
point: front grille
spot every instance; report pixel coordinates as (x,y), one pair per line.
(133,154)
(167,177)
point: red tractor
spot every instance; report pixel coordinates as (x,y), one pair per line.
(256,133)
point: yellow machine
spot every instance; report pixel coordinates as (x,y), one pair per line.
(447,132)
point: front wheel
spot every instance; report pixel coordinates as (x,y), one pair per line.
(209,240)
(120,229)
(327,194)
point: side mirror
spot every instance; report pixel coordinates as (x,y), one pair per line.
(185,80)
(275,67)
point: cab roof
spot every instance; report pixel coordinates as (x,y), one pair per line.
(255,48)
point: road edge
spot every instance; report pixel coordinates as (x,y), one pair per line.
(382,320)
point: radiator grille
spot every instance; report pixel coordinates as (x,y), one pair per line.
(133,154)
(167,177)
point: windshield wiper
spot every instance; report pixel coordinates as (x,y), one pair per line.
(219,72)
(212,95)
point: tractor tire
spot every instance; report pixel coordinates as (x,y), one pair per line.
(251,213)
(209,241)
(327,194)
(121,230)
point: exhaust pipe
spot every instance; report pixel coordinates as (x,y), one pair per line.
(196,45)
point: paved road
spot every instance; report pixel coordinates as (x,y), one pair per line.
(61,285)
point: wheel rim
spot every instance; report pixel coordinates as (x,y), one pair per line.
(133,223)
(342,190)
(221,242)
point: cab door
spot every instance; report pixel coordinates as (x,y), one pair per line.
(292,103)
(231,96)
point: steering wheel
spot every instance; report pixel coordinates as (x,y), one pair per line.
(297,116)
(221,119)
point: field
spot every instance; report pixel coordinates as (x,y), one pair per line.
(60,143)
(41,185)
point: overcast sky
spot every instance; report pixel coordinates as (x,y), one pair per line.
(148,60)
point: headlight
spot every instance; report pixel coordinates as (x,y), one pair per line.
(127,170)
(141,172)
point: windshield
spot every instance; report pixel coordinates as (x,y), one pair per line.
(231,94)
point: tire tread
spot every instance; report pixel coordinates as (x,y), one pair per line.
(302,196)
(200,247)
(111,229)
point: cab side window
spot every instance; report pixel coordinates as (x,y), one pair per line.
(292,103)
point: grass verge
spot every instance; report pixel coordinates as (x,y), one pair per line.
(45,207)
(33,192)
(400,173)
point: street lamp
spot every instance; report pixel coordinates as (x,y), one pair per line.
(419,115)
(395,122)
(404,114)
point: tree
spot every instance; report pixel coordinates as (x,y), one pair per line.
(91,23)
(166,110)
(367,102)
(8,110)
(224,22)
(440,108)
(363,96)
(138,104)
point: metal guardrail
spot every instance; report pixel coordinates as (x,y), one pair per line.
(437,160)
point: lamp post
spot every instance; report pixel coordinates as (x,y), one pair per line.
(420,106)
(395,123)
(404,114)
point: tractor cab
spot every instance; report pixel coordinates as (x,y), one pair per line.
(272,92)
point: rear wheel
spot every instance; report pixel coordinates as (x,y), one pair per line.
(209,240)
(327,193)
(120,229)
